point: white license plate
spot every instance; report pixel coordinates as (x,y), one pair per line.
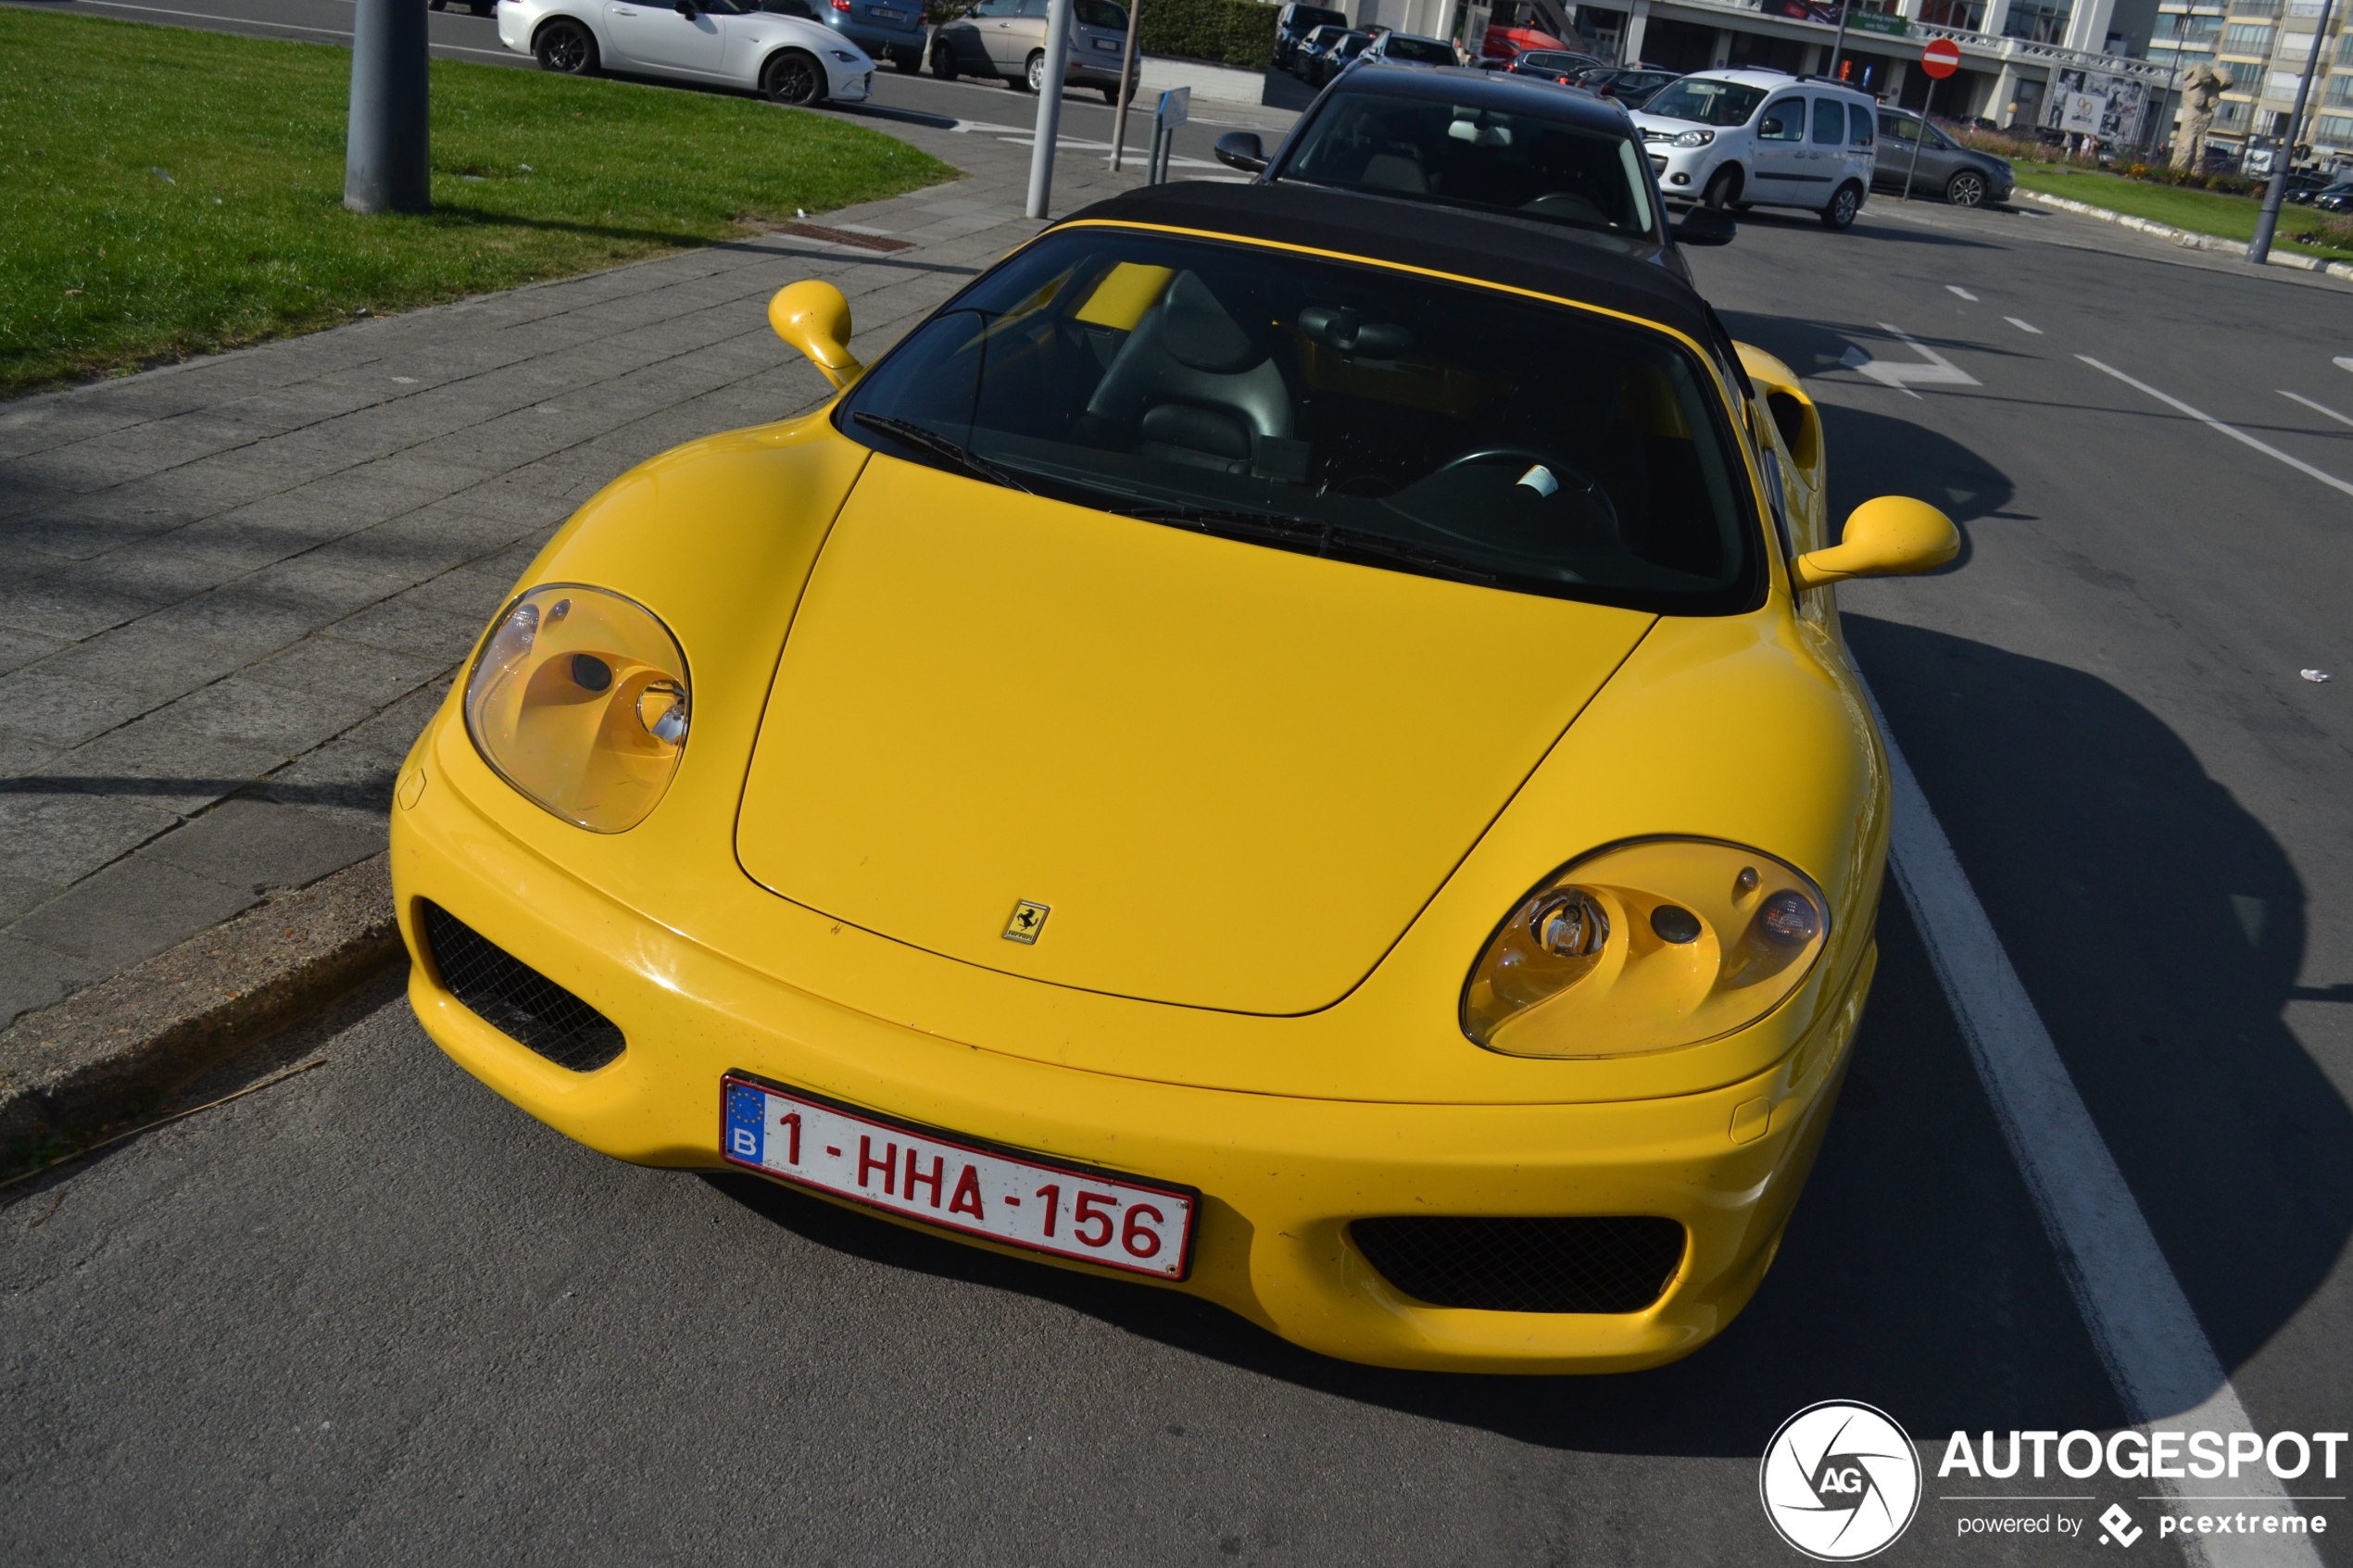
(1107,42)
(958,1183)
(888,15)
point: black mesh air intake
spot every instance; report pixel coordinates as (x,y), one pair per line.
(1611,1264)
(512,995)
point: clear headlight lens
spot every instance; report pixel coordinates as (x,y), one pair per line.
(1694,138)
(579,699)
(1644,946)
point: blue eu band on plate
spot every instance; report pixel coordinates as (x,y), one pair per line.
(1045,1206)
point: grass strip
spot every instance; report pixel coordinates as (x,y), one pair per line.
(171,192)
(2200,212)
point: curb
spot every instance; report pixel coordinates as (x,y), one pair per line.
(2185,237)
(125,1045)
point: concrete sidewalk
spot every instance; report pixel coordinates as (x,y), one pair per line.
(235,588)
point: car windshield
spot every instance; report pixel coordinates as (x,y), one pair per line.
(1102,14)
(1419,50)
(1427,149)
(1335,409)
(1305,17)
(1707,103)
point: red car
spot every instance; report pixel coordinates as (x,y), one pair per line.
(1515,26)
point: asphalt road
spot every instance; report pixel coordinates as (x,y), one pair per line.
(375,1314)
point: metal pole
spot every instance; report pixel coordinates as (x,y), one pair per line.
(387,163)
(1049,107)
(1129,69)
(2259,248)
(1926,99)
(1838,45)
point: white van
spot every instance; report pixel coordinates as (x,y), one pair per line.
(1758,138)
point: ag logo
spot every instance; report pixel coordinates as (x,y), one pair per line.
(1840,1480)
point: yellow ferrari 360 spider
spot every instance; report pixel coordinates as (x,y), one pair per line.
(1271,747)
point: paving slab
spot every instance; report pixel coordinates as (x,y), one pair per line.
(240,585)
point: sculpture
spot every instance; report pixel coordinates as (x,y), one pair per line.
(2202,88)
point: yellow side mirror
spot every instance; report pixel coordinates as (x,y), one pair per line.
(1889,537)
(814,318)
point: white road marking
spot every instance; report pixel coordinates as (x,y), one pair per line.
(2141,1323)
(2316,408)
(2343,361)
(1955,288)
(2023,326)
(2269,451)
(1937,371)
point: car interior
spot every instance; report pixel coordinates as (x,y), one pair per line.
(1516,442)
(1516,163)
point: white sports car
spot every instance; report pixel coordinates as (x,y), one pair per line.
(734,42)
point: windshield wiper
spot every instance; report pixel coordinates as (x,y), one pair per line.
(1302,532)
(912,434)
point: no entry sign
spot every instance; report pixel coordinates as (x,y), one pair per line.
(1941,58)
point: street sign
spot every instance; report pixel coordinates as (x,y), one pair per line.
(1941,58)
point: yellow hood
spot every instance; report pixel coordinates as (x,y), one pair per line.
(1232,774)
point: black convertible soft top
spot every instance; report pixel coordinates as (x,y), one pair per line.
(1605,270)
(1469,245)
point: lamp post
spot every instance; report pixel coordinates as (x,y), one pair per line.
(2258,249)
(1049,107)
(387,154)
(1838,45)
(1129,69)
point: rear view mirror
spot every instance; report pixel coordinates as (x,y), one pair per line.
(814,318)
(1705,226)
(1891,537)
(1242,150)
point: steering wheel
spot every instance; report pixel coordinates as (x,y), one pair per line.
(1569,478)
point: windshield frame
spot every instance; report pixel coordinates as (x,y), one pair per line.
(1721,400)
(1729,88)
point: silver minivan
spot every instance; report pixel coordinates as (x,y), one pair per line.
(1746,138)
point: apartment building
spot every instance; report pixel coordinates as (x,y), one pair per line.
(2263,46)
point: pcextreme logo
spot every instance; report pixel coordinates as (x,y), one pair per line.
(1840,1480)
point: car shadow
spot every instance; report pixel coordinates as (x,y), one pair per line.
(2161,931)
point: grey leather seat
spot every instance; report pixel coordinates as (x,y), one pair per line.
(1191,386)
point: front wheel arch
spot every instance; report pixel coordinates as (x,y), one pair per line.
(1725,183)
(774,66)
(539,45)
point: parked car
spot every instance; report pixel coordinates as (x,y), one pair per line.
(1343,52)
(1481,141)
(1318,40)
(2303,184)
(1412,49)
(728,42)
(1514,26)
(2333,198)
(1740,138)
(1294,22)
(1441,814)
(1961,175)
(1631,86)
(1006,39)
(889,30)
(1551,65)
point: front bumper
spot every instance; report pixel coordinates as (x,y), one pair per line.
(1682,171)
(1282,1176)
